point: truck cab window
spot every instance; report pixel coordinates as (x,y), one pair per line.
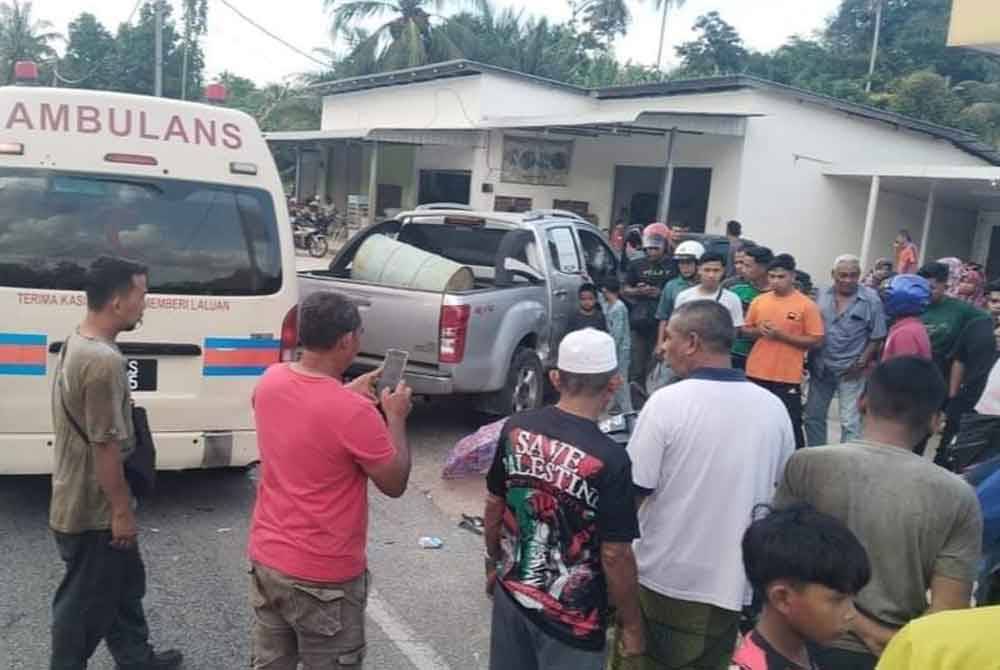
(562,250)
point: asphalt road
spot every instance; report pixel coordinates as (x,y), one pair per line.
(427,609)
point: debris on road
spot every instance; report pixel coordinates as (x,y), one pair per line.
(428,542)
(473,524)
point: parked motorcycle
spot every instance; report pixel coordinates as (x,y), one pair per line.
(975,455)
(310,238)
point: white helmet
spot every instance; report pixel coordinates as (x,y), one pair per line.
(689,251)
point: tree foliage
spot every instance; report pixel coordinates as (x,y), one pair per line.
(718,50)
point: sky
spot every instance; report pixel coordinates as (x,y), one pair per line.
(233,44)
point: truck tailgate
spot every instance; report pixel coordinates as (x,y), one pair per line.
(392,317)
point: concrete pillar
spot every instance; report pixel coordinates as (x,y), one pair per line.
(373,183)
(866,239)
(668,180)
(928,219)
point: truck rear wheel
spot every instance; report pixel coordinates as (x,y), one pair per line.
(525,387)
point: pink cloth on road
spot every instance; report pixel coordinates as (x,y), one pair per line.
(907,337)
(311,516)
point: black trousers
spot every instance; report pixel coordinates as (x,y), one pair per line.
(791,396)
(100,598)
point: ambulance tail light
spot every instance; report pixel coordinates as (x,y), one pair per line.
(131,159)
(25,72)
(11,148)
(453,333)
(290,335)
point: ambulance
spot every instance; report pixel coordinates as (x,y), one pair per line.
(189,190)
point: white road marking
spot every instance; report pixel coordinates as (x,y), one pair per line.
(420,654)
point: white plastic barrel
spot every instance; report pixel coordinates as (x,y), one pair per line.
(382,260)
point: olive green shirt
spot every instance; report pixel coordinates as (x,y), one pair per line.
(92,380)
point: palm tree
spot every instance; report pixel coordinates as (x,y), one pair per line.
(412,37)
(665,5)
(877,6)
(22,37)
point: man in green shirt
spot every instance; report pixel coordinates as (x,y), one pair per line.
(962,345)
(752,281)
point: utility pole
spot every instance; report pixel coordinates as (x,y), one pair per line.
(158,66)
(878,29)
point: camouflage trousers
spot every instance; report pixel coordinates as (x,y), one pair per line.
(318,625)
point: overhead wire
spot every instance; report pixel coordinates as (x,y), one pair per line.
(274,37)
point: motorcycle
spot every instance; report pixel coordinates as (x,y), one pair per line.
(975,456)
(309,237)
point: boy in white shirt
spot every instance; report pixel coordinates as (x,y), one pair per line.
(711,270)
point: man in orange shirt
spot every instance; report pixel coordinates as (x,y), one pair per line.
(785,325)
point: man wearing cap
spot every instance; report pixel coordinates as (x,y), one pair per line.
(705,452)
(644,282)
(559,523)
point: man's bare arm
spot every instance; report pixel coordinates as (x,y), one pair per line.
(955,378)
(111,478)
(875,636)
(949,594)
(622,575)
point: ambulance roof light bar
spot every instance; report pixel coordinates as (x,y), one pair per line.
(215,94)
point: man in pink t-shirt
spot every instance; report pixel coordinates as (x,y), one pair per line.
(320,442)
(906,298)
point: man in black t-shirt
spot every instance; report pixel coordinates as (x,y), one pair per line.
(972,359)
(559,523)
(644,280)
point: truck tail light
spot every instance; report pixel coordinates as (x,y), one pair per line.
(454,330)
(289,335)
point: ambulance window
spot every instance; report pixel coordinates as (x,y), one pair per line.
(196,239)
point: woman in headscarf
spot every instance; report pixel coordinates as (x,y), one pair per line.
(972,286)
(880,275)
(954,275)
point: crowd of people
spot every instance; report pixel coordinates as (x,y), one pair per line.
(710,540)
(788,332)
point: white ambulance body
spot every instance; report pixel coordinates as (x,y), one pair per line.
(191,191)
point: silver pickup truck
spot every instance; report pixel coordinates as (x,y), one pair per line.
(496,340)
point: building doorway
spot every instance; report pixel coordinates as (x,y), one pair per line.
(637,196)
(444,186)
(993,259)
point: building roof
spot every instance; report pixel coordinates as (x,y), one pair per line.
(965,141)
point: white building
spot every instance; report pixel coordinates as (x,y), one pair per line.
(804,173)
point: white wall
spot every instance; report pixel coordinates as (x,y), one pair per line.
(446,103)
(592,172)
(786,202)
(504,96)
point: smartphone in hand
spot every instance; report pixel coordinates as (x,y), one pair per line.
(392,370)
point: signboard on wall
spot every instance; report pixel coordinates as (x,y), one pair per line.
(505,203)
(541,162)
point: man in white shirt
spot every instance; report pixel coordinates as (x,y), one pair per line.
(711,270)
(705,452)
